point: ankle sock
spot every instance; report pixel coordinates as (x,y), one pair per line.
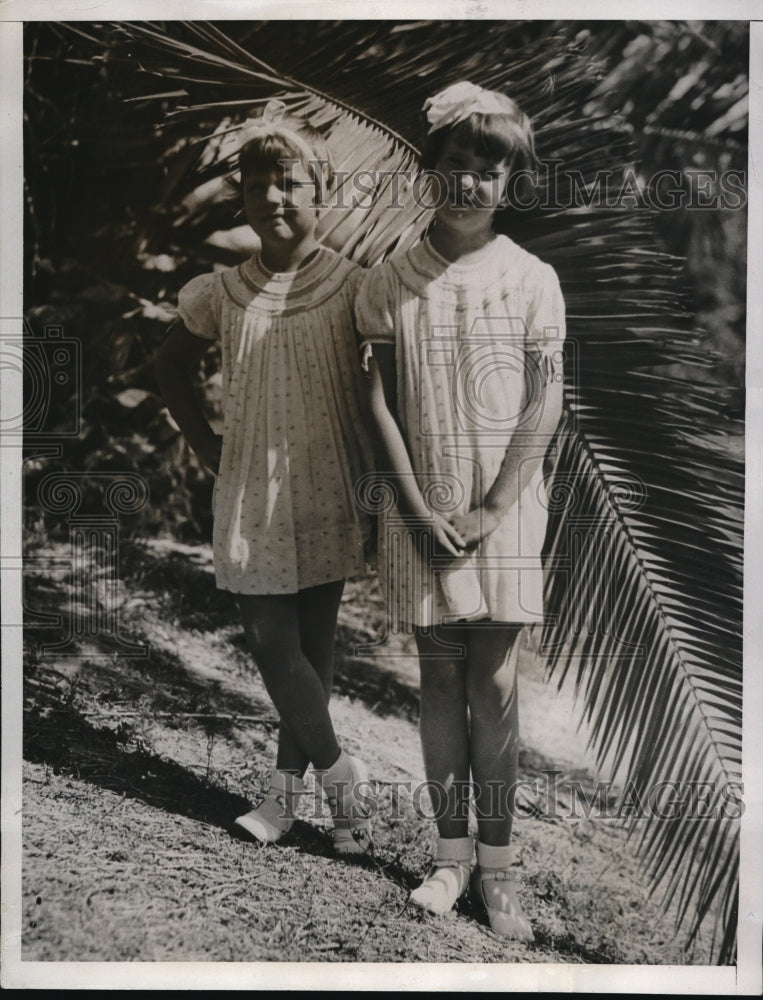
(491,858)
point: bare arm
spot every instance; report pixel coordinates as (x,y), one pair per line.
(176,361)
(393,456)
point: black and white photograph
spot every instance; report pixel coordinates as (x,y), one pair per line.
(379,474)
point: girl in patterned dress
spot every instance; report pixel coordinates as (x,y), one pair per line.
(464,336)
(287,531)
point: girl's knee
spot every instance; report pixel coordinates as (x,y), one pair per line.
(493,655)
(270,634)
(498,689)
(264,644)
(493,678)
(441,678)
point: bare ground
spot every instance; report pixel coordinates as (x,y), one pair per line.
(135,768)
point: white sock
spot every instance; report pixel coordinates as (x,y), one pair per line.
(491,858)
(347,783)
(340,771)
(337,782)
(455,849)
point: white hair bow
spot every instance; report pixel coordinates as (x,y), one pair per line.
(271,123)
(458,101)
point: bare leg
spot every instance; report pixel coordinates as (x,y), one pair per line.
(444,730)
(272,628)
(492,695)
(317,610)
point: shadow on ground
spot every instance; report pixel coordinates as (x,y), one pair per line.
(64,741)
(179,588)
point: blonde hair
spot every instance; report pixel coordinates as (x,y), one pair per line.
(284,140)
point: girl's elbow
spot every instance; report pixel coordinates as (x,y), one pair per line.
(378,429)
(378,408)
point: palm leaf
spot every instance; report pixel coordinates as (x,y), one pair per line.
(356,141)
(644,541)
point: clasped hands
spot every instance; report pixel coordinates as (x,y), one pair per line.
(464,532)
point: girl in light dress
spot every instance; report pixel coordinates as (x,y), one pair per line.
(287,532)
(463,335)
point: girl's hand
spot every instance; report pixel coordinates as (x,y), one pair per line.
(209,453)
(441,537)
(447,536)
(476,525)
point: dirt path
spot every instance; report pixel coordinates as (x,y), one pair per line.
(136,767)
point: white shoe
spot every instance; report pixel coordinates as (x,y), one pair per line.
(445,883)
(274,816)
(497,892)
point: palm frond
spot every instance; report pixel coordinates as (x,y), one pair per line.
(356,142)
(644,544)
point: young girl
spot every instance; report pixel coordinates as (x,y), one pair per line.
(464,332)
(286,529)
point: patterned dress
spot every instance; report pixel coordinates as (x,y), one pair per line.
(475,345)
(294,441)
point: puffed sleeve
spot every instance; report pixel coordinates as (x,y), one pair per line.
(546,324)
(374,310)
(199,306)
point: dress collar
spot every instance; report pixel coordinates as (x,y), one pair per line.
(251,285)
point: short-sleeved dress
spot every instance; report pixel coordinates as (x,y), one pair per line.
(474,345)
(294,440)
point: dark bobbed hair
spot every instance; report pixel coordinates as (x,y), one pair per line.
(267,152)
(497,136)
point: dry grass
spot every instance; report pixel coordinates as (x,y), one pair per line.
(135,769)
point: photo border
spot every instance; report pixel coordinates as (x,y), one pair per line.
(745,978)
